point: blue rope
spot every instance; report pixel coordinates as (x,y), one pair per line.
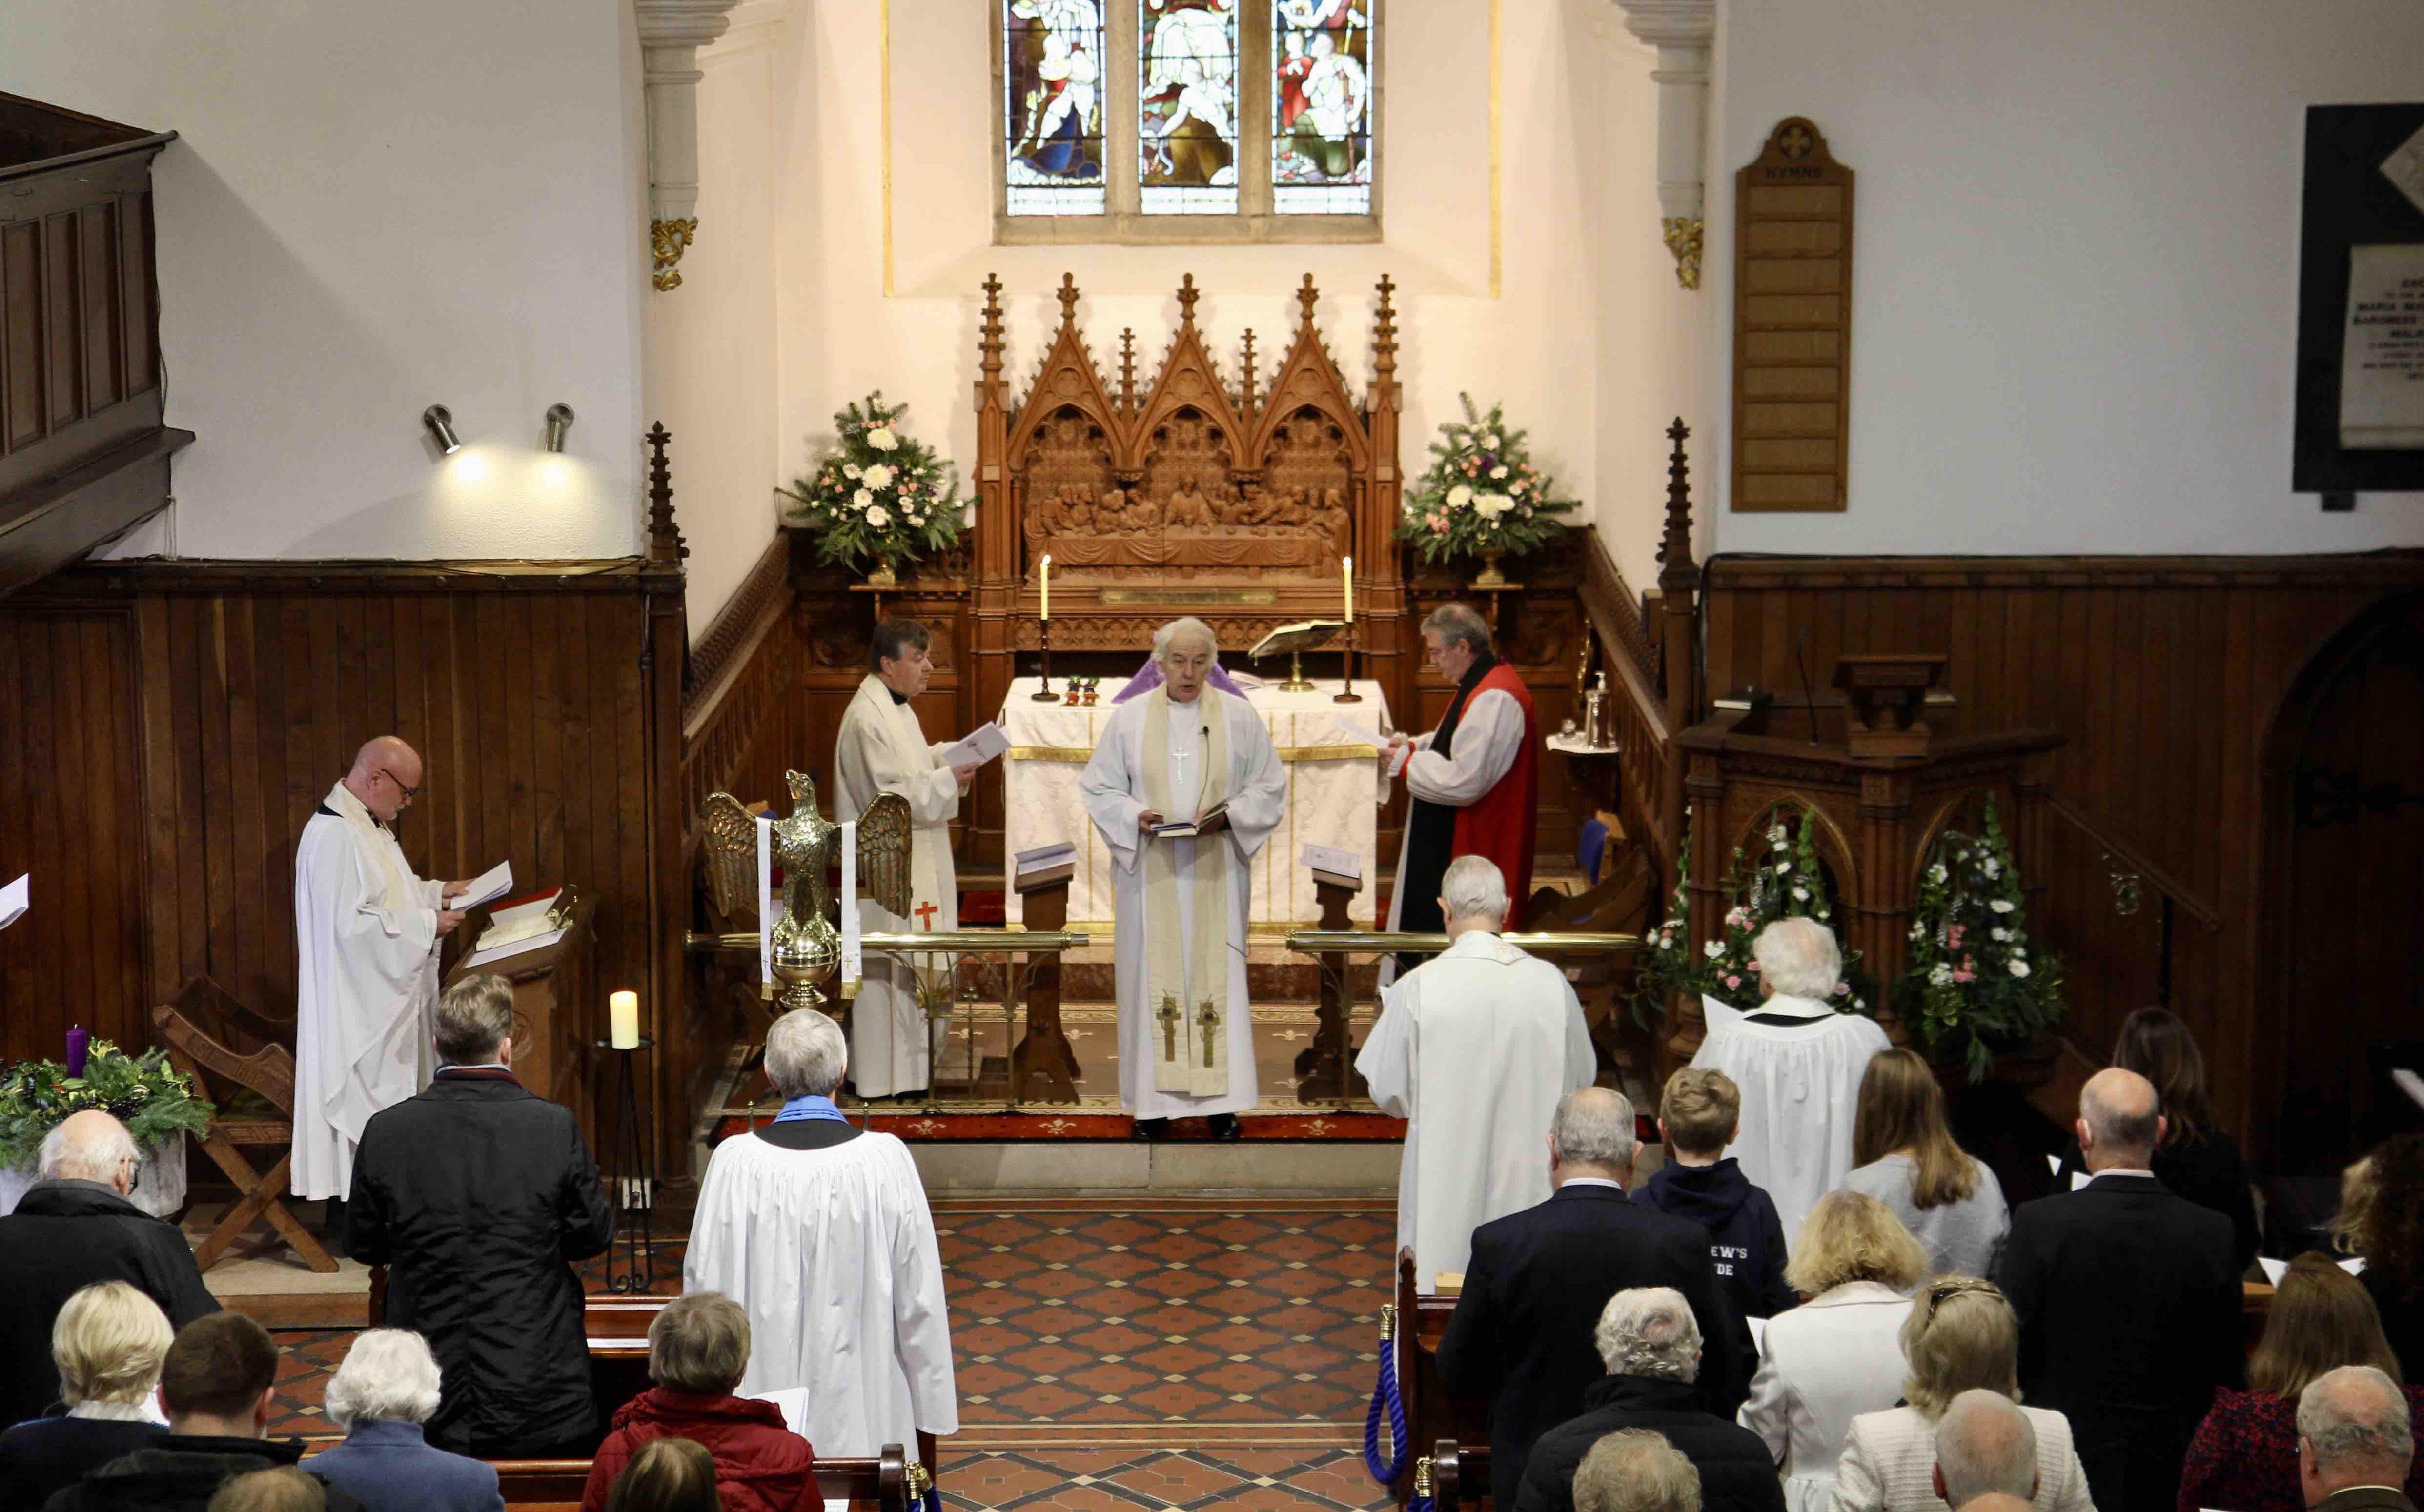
(1385,1399)
(934,1502)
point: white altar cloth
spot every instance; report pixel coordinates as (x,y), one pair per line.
(1333,754)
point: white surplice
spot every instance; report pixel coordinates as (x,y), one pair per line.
(882,750)
(1472,1048)
(365,986)
(1113,787)
(1800,1090)
(832,1254)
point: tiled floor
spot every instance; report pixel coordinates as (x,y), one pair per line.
(1118,1354)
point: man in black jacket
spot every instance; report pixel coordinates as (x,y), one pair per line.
(215,1381)
(1521,1335)
(2128,1303)
(73,1228)
(477,1195)
(1651,1346)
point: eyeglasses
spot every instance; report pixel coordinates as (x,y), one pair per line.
(410,793)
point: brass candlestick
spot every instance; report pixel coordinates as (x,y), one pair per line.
(1297,681)
(1044,693)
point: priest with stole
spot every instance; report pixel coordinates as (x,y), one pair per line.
(366,933)
(1474,1047)
(883,749)
(1191,757)
(1474,784)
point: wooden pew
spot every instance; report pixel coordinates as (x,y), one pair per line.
(1450,1465)
(879,1485)
(1432,1416)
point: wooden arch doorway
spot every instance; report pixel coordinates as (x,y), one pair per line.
(2343,879)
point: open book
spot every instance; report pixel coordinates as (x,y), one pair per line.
(1183,829)
(488,885)
(14,900)
(984,744)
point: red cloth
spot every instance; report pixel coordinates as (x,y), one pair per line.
(2245,1456)
(1504,823)
(761,1466)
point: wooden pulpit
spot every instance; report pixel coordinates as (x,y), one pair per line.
(1043,1065)
(557,1010)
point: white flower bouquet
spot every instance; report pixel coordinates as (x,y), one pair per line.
(881,496)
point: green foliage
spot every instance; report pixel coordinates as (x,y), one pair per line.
(881,496)
(1482,493)
(1971,985)
(1786,881)
(144,1092)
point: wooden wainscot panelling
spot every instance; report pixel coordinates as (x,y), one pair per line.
(185,719)
(2188,689)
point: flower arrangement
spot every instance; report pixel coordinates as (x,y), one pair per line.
(1482,496)
(881,496)
(1970,984)
(142,1092)
(1785,883)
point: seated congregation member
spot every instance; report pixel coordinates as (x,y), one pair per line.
(2356,1435)
(217,1382)
(1839,1354)
(107,1344)
(1960,1337)
(2382,1220)
(2198,1159)
(1535,1283)
(1948,1199)
(1634,1469)
(2128,1300)
(283,1489)
(1697,1119)
(1799,1063)
(667,1475)
(697,1349)
(478,1195)
(2245,1456)
(820,1232)
(1985,1446)
(1650,1340)
(73,1228)
(382,1394)
(1472,1049)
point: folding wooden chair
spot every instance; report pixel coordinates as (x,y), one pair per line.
(268,1074)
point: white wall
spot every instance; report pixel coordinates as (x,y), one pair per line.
(2075,298)
(372,209)
(710,344)
(1577,107)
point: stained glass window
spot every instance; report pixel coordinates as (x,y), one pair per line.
(1053,106)
(1187,107)
(1322,54)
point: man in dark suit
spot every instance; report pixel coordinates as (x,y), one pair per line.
(2355,1436)
(1520,1336)
(73,1228)
(1651,1343)
(2128,1299)
(476,1194)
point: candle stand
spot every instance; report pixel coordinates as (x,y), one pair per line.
(631,1173)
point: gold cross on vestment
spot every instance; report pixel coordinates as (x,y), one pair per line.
(1208,1018)
(1169,1016)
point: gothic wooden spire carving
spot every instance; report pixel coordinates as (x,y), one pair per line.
(1385,347)
(1187,297)
(1306,297)
(1247,402)
(1127,368)
(664,537)
(1677,573)
(1068,302)
(990,346)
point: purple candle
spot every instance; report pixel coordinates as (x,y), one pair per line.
(79,1039)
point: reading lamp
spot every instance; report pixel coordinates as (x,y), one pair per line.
(559,420)
(439,422)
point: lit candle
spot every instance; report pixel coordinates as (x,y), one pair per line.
(1044,611)
(1347,585)
(623,1020)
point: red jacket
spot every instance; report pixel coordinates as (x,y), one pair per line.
(761,1466)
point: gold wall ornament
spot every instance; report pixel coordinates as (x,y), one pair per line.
(668,239)
(1683,240)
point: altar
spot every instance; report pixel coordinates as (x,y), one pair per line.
(1332,751)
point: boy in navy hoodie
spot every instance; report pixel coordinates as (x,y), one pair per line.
(1697,1118)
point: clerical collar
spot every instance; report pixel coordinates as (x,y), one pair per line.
(897,697)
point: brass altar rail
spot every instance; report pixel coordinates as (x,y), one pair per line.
(1316,942)
(1022,942)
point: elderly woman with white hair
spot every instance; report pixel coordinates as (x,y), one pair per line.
(1184,788)
(1651,1343)
(382,1394)
(108,1342)
(1798,1061)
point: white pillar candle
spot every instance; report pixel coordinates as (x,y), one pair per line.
(1044,609)
(1347,586)
(623,1020)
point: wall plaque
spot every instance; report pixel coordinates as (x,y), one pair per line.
(1792,324)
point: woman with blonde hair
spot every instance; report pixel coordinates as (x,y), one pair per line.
(1837,1355)
(1906,1157)
(108,1341)
(2245,1453)
(2381,1219)
(1961,1336)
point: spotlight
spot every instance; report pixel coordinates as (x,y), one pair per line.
(559,420)
(439,422)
